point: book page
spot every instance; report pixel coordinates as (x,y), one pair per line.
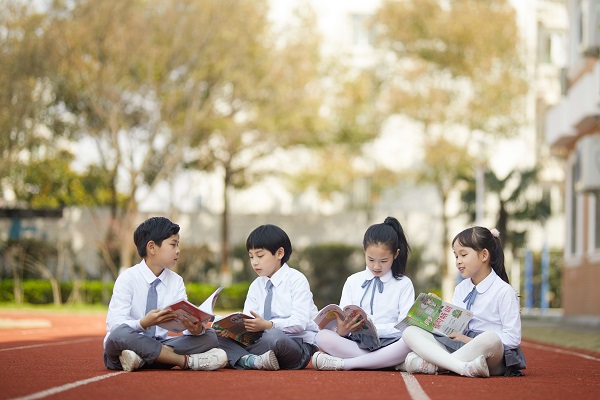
(326,318)
(208,305)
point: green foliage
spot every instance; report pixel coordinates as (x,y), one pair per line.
(327,266)
(518,205)
(234,296)
(37,291)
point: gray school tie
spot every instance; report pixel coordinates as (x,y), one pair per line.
(268,300)
(470,299)
(152,304)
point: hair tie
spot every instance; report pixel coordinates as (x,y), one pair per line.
(495,233)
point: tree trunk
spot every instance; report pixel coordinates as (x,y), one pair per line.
(225,270)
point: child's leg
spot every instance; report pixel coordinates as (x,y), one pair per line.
(332,343)
(126,338)
(424,344)
(176,348)
(490,345)
(384,357)
(234,350)
(290,353)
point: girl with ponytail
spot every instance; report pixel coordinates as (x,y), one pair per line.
(385,293)
(490,345)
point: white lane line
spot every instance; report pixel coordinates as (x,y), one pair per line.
(414,389)
(556,350)
(50,344)
(68,386)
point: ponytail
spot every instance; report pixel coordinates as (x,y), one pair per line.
(390,234)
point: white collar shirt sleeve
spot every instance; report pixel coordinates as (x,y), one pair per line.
(496,308)
(292,306)
(130,292)
(389,307)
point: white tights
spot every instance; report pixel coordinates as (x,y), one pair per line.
(355,357)
(488,343)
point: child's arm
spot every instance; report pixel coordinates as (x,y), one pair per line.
(510,316)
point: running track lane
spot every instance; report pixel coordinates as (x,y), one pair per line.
(52,363)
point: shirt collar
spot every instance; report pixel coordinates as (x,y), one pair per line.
(278,276)
(149,275)
(485,284)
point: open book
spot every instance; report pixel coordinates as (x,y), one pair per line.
(436,316)
(326,319)
(182,307)
(234,325)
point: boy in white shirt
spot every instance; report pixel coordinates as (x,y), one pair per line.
(138,302)
(288,340)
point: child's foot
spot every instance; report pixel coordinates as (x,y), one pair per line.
(208,361)
(477,368)
(325,362)
(130,361)
(267,361)
(416,365)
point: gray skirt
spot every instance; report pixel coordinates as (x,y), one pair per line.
(368,342)
(514,359)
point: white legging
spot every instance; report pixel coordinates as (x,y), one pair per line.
(488,343)
(355,357)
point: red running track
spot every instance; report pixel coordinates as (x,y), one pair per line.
(59,356)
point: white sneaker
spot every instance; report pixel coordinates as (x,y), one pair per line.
(267,361)
(325,362)
(416,365)
(208,361)
(130,361)
(477,368)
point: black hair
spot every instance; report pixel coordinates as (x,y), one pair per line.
(270,237)
(154,229)
(479,238)
(391,235)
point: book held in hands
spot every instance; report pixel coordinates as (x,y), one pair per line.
(183,308)
(436,316)
(326,319)
(233,324)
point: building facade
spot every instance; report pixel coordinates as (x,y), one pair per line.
(573,132)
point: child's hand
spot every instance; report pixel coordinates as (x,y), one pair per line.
(348,325)
(257,324)
(155,317)
(460,337)
(224,333)
(195,328)
(434,295)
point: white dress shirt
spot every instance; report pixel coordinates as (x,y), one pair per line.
(389,307)
(496,308)
(128,302)
(292,307)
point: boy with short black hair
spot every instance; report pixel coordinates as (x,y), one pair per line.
(285,316)
(138,302)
